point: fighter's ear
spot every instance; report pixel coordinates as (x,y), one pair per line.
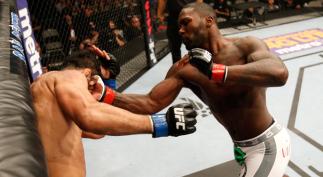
(87,71)
(209,21)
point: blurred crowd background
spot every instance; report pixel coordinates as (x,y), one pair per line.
(119,26)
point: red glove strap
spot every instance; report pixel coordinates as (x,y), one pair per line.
(219,73)
(109,96)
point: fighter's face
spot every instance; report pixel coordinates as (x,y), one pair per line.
(191,28)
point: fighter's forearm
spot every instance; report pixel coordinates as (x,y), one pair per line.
(158,98)
(140,104)
(263,73)
(104,119)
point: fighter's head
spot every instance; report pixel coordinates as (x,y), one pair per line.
(84,61)
(195,21)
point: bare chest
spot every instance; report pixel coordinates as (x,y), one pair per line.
(225,99)
(229,55)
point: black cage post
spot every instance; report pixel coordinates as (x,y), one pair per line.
(148,29)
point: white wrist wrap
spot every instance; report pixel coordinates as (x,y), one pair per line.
(101,83)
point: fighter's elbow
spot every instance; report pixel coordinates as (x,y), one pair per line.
(281,76)
(154,104)
(85,121)
(153,107)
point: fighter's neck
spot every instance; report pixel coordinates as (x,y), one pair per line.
(215,42)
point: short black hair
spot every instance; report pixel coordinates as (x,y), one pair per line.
(202,8)
(83,59)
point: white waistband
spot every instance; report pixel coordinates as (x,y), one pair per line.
(268,133)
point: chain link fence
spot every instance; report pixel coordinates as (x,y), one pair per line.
(62,27)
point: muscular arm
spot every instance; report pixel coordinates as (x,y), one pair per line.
(91,135)
(77,103)
(159,97)
(262,67)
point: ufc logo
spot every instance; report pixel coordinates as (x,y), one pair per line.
(179,116)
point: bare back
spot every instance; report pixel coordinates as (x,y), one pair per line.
(60,136)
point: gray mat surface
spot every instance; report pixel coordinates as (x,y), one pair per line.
(208,152)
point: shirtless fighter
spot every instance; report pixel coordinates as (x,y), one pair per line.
(66,111)
(232,80)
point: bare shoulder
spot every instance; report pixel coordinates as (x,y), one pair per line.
(183,72)
(51,79)
(178,66)
(250,43)
(70,83)
(67,78)
(43,85)
(255,49)
(69,75)
(44,79)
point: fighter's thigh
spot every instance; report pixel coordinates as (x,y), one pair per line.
(283,154)
(259,159)
(253,160)
(268,159)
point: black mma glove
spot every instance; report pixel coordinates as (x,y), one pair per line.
(202,60)
(179,120)
(107,60)
(111,64)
